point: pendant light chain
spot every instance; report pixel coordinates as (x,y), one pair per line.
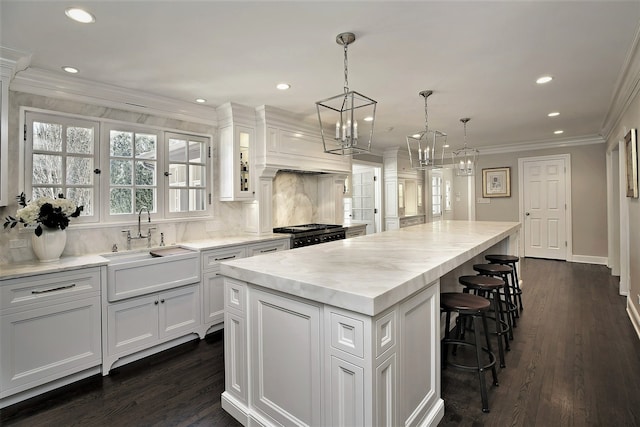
(426,117)
(346,69)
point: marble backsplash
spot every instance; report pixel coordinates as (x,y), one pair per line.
(295,198)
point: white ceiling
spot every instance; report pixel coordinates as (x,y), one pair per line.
(480,58)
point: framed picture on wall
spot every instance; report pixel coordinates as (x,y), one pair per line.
(631,152)
(496,182)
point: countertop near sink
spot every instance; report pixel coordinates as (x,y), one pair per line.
(32,268)
(221,242)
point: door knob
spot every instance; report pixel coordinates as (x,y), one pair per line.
(527,214)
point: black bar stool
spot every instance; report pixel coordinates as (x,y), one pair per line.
(503,272)
(475,307)
(511,261)
(489,287)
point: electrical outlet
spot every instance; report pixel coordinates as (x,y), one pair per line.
(17,243)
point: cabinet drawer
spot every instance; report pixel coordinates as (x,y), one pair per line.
(267,247)
(48,288)
(211,259)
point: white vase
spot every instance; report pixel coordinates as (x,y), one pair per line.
(49,245)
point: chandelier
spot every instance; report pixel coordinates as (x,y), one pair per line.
(465,159)
(426,148)
(352,113)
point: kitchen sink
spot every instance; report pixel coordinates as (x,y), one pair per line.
(131,274)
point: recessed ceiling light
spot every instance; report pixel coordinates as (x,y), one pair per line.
(415,135)
(70,70)
(201,100)
(283,86)
(445,146)
(554,114)
(544,79)
(558,132)
(368,119)
(80,15)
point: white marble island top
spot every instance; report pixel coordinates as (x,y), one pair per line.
(370,273)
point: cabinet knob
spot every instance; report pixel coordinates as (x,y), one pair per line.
(162,301)
(156,302)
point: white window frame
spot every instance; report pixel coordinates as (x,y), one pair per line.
(29,117)
(101,161)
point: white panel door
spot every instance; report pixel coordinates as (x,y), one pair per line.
(364,202)
(545,209)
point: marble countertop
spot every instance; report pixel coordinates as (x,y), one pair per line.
(34,267)
(369,274)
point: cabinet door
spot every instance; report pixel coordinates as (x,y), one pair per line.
(267,247)
(213,288)
(132,324)
(179,311)
(48,343)
(236,163)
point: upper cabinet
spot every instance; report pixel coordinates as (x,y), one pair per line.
(10,61)
(236,152)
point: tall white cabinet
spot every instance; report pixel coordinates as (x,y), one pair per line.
(236,152)
(405,191)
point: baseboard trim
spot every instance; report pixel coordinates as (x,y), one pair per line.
(587,259)
(634,317)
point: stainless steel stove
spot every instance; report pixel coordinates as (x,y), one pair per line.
(312,234)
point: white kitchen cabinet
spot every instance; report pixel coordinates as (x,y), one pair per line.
(49,331)
(290,360)
(404,189)
(140,323)
(212,282)
(213,285)
(235,152)
(355,230)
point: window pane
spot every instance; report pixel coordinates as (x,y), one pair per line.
(38,192)
(145,198)
(198,198)
(178,200)
(196,152)
(82,197)
(47,169)
(120,143)
(178,177)
(47,136)
(196,176)
(145,146)
(145,173)
(79,170)
(120,201)
(121,172)
(177,150)
(79,140)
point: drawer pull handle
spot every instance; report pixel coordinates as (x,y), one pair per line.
(264,251)
(60,288)
(224,258)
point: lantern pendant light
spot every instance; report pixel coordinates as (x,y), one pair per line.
(465,159)
(346,120)
(426,148)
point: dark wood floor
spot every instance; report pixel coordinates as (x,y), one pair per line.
(575,361)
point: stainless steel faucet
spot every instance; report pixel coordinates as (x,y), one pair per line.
(140,235)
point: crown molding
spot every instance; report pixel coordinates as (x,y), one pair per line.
(542,145)
(12,61)
(626,88)
(46,83)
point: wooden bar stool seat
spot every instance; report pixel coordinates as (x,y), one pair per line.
(503,272)
(475,307)
(489,287)
(511,261)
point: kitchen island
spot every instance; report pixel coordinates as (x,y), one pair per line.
(347,333)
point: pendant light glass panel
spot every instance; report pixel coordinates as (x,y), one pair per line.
(465,159)
(426,149)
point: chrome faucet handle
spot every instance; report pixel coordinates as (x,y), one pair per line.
(149,236)
(161,239)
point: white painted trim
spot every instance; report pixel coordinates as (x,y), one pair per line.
(634,317)
(588,259)
(542,144)
(625,272)
(568,213)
